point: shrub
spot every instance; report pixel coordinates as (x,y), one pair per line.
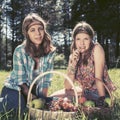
(60,62)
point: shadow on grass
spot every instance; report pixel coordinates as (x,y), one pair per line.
(13,115)
(116,111)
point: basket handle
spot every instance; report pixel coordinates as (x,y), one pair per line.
(52,72)
(109,92)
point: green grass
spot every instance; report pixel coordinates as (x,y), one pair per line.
(57,83)
(3,76)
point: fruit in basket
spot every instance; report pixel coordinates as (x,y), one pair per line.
(81,100)
(89,103)
(37,103)
(63,104)
(108,101)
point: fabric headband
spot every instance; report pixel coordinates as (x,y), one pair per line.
(34,23)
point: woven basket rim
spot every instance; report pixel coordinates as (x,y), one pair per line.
(59,111)
(99,108)
(75,91)
(51,72)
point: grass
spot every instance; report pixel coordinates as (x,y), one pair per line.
(57,84)
(3,75)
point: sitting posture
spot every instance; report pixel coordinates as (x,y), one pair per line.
(87,62)
(33,57)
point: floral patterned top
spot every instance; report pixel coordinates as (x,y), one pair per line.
(86,74)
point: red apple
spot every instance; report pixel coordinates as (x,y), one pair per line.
(81,100)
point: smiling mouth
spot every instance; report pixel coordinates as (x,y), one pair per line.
(38,38)
(82,47)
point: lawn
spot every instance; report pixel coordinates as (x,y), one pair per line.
(57,84)
(3,75)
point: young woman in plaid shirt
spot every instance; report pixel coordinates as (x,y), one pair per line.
(33,57)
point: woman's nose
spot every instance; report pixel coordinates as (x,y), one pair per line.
(38,32)
(82,42)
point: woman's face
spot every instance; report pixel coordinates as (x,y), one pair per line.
(36,34)
(82,41)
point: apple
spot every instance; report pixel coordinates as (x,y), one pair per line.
(81,100)
(38,103)
(89,103)
(108,101)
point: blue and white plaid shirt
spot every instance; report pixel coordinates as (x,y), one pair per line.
(23,67)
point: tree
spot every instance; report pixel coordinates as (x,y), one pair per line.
(61,16)
(0,34)
(104,16)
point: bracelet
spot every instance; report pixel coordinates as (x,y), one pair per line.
(71,69)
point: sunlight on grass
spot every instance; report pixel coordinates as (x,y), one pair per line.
(58,83)
(115,77)
(3,76)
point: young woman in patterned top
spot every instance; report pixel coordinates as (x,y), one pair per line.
(33,57)
(86,62)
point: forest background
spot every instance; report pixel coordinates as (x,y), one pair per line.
(61,16)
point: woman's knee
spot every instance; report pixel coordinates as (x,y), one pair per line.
(12,99)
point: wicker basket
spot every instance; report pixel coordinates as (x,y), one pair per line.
(38,114)
(99,110)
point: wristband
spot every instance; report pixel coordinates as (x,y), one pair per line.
(71,69)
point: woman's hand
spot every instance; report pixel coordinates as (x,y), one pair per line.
(25,90)
(74,57)
(71,92)
(71,69)
(34,97)
(73,60)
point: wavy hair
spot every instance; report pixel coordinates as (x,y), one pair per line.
(83,27)
(46,46)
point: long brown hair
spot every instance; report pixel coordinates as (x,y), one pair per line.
(46,46)
(83,27)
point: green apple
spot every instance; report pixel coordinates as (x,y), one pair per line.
(108,101)
(31,104)
(38,103)
(89,103)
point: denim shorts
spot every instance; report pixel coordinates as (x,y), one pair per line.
(91,94)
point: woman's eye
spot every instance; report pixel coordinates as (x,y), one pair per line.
(78,39)
(41,28)
(32,30)
(86,39)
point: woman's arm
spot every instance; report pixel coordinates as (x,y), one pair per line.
(99,59)
(47,78)
(25,90)
(45,91)
(71,69)
(71,75)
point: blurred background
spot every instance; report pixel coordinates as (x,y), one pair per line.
(61,16)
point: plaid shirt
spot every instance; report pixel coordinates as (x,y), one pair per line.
(23,67)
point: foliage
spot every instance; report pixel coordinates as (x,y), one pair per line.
(101,15)
(59,61)
(61,16)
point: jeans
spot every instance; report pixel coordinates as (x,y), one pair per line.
(91,94)
(10,100)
